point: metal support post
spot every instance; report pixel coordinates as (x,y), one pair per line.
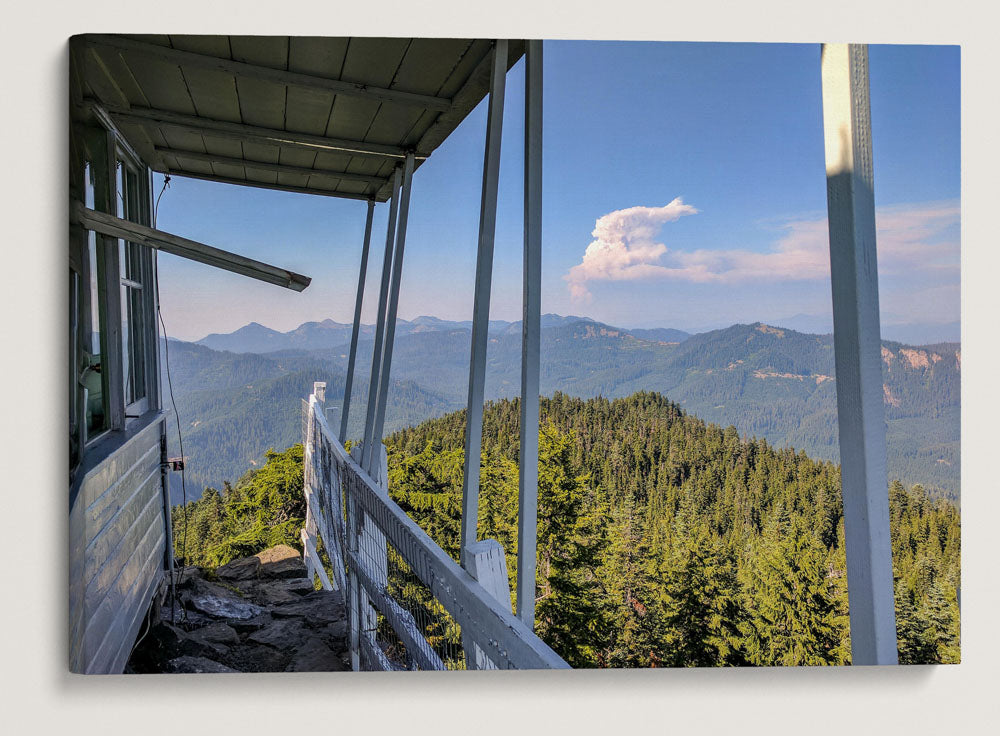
(390,318)
(356,329)
(383,295)
(857,350)
(527,499)
(481,306)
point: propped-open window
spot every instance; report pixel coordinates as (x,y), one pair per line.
(135,276)
(93,356)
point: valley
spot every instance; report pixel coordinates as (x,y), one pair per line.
(768,382)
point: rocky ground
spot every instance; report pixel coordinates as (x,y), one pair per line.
(257,614)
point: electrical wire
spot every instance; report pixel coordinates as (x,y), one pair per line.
(173,402)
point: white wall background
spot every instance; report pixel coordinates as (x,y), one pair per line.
(39,696)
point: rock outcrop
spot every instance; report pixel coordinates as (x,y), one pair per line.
(256,614)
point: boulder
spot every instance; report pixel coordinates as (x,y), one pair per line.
(286,635)
(335,634)
(257,658)
(218,601)
(227,607)
(218,633)
(184,575)
(188,664)
(273,593)
(281,561)
(242,626)
(246,568)
(315,656)
(171,641)
(299,586)
(318,608)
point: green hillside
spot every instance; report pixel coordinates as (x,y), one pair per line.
(667,541)
(662,540)
(767,382)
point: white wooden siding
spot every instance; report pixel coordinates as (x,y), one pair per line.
(117,551)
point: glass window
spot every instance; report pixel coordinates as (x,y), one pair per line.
(91,374)
(133,265)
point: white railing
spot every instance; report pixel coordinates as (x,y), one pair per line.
(409,604)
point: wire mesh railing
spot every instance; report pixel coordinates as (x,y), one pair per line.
(409,605)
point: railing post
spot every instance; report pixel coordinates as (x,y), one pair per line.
(487,563)
(527,500)
(481,306)
(370,544)
(356,328)
(354,589)
(857,351)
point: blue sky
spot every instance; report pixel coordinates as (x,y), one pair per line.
(683,187)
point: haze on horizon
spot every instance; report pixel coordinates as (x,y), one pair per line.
(684,188)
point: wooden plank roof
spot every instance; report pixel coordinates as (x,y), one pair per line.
(329,116)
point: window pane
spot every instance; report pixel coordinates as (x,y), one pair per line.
(96,411)
(131,264)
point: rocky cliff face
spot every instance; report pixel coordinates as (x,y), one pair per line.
(257,614)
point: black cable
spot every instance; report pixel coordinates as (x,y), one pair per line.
(173,403)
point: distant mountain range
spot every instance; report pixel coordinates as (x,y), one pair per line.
(239,394)
(256,338)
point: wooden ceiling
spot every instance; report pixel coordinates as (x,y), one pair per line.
(329,116)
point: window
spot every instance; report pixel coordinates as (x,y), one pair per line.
(134,276)
(92,356)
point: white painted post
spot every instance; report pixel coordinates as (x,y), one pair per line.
(481,306)
(354,601)
(319,391)
(371,542)
(487,563)
(391,311)
(527,502)
(356,329)
(383,296)
(857,348)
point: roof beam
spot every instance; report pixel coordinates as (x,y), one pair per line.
(279,76)
(116,227)
(266,185)
(212,158)
(152,117)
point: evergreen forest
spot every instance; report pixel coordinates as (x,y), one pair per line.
(663,540)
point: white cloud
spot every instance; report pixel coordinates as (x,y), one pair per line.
(910,237)
(623,247)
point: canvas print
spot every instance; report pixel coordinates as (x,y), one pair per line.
(445,354)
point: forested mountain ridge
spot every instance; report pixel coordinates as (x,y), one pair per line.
(667,541)
(662,540)
(767,382)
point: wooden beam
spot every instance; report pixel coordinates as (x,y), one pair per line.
(857,352)
(213,158)
(278,76)
(263,185)
(481,302)
(228,130)
(115,227)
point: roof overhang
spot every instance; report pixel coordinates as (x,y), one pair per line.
(329,116)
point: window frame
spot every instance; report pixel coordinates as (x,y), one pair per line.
(103,148)
(132,174)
